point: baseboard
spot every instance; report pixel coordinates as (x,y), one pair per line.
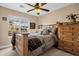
(5,46)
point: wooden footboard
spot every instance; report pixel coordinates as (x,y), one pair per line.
(22,44)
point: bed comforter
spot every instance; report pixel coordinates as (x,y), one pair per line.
(40,43)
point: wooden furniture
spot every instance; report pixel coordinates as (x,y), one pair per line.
(68,34)
(22,44)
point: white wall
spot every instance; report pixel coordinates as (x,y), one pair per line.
(4,12)
(59,15)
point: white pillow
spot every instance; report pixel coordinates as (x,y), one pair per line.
(45,32)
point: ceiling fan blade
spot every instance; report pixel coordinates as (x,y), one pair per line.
(45,9)
(30,10)
(29,4)
(42,4)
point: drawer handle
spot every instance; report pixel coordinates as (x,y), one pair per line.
(72,33)
(72,44)
(72,28)
(72,39)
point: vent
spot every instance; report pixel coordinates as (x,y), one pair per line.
(22,6)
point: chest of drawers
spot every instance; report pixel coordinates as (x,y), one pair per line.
(69,37)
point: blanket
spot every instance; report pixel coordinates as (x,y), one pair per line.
(40,43)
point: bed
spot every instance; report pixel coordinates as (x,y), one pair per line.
(34,44)
(41,43)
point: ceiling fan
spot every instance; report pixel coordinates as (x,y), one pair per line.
(38,7)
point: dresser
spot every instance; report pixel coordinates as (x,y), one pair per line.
(68,34)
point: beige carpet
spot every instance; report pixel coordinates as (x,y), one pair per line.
(50,52)
(56,52)
(8,52)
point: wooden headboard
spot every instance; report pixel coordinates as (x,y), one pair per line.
(22,44)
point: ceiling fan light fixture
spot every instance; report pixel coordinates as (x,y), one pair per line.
(37,10)
(38,7)
(38,13)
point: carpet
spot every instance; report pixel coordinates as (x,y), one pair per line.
(51,52)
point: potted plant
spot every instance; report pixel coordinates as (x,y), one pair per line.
(72,17)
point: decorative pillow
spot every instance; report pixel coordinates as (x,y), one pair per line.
(49,30)
(45,32)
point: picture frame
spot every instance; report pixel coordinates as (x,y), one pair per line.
(32,25)
(4,18)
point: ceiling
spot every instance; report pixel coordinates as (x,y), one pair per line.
(22,7)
